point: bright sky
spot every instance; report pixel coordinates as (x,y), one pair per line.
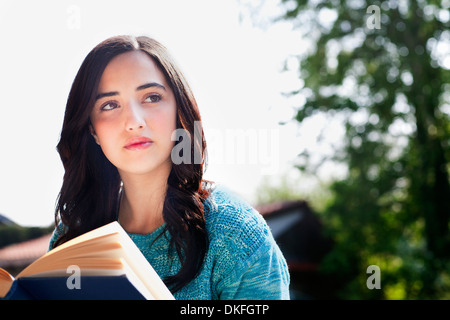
(233,68)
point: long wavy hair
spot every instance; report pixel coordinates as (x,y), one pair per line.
(89,196)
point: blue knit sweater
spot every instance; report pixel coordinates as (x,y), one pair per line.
(243,260)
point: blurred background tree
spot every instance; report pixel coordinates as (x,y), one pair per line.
(390,83)
(11,234)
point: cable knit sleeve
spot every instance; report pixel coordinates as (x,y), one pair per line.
(248,262)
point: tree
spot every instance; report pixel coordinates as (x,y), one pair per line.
(10,234)
(383,67)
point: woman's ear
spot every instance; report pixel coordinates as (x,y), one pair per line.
(93,134)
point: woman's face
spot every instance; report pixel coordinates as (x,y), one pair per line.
(134,115)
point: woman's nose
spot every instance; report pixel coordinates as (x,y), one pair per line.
(135,119)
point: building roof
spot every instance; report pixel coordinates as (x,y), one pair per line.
(280,207)
(6,221)
(24,253)
(298,232)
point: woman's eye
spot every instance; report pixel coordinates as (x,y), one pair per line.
(153,98)
(109,106)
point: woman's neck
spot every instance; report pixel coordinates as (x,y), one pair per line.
(142,202)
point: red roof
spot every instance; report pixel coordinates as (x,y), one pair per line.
(24,253)
(279,207)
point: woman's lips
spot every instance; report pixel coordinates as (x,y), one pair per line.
(138,143)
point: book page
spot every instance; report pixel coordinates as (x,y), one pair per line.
(101,254)
(6,281)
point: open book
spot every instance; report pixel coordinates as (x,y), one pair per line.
(101,264)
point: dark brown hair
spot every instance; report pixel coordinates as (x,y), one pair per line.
(89,196)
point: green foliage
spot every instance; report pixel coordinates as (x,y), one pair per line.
(391,87)
(10,234)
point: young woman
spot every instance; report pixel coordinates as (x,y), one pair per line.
(117,146)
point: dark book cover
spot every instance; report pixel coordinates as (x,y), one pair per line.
(91,288)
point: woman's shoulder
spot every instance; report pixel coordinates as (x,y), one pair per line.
(224,206)
(230,218)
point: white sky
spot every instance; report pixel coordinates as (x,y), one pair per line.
(233,68)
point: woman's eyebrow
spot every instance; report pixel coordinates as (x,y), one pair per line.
(149,85)
(106,94)
(142,87)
